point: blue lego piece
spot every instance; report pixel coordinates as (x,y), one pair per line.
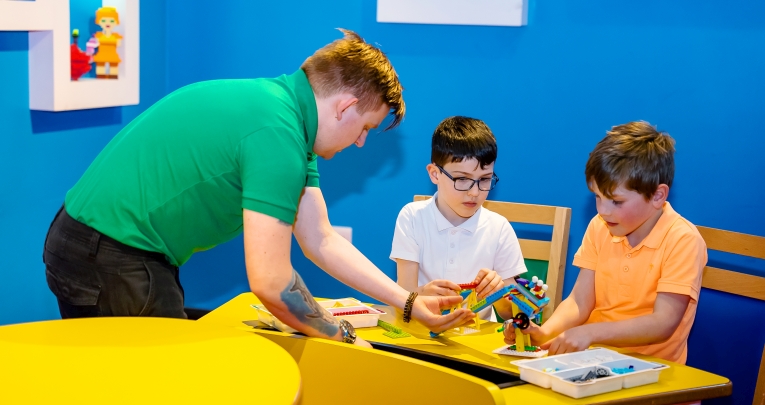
(623,370)
(538,319)
(523,306)
(490,299)
(526,293)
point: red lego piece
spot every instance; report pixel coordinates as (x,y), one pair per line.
(80,62)
(358,312)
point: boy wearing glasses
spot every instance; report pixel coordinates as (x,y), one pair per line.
(451,239)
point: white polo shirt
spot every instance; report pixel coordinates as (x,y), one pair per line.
(456,253)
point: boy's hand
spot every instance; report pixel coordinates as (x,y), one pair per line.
(573,340)
(441,287)
(533,330)
(488,282)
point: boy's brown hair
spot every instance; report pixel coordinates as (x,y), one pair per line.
(354,66)
(635,155)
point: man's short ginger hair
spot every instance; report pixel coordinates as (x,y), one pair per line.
(634,155)
(351,65)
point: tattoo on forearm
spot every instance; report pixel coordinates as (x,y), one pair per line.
(301,304)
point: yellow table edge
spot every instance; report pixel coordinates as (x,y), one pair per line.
(693,384)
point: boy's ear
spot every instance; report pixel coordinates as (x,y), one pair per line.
(433,172)
(660,196)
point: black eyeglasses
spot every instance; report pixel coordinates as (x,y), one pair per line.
(465,184)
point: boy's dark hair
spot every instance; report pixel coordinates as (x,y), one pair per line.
(458,138)
(351,65)
(635,155)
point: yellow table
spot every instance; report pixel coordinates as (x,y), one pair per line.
(677,384)
(141,361)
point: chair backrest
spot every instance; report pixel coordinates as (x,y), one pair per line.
(734,282)
(730,281)
(553,252)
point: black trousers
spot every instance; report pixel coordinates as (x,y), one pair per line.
(92,274)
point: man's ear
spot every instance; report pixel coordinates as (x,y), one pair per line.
(343,104)
(433,172)
(660,196)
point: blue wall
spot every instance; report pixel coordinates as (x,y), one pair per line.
(549,91)
(42,154)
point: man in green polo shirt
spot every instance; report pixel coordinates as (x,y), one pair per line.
(217,158)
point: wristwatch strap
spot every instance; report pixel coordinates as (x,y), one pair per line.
(348,331)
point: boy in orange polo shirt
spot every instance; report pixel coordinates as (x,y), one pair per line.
(640,261)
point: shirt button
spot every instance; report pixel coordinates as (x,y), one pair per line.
(626,268)
(451,261)
(451,245)
(629,255)
(454,232)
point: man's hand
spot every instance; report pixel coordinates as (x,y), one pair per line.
(441,287)
(427,311)
(573,340)
(488,282)
(363,343)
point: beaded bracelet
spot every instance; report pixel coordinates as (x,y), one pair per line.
(408,306)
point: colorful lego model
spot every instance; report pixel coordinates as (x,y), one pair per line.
(107,60)
(469,299)
(393,332)
(528,300)
(473,304)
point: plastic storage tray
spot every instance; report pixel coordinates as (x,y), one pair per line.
(570,365)
(333,307)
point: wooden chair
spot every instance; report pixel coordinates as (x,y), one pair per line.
(544,259)
(734,282)
(759,391)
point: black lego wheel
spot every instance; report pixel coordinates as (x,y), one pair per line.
(522,320)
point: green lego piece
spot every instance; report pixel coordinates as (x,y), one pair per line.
(528,348)
(388,327)
(394,335)
(392,331)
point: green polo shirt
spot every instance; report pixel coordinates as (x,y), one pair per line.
(176,178)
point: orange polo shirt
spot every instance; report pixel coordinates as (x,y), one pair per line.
(627,279)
